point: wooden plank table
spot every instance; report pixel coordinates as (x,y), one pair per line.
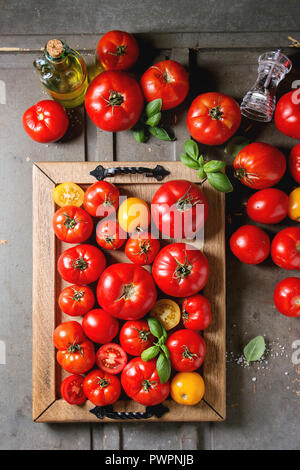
(263,400)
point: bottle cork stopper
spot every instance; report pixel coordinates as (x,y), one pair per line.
(55,48)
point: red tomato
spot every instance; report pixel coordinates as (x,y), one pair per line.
(101,199)
(196,313)
(187,350)
(117,50)
(71,390)
(114,101)
(110,235)
(285,248)
(111,358)
(141,382)
(287,297)
(250,244)
(179,209)
(46,121)
(180,270)
(268,206)
(135,337)
(101,388)
(71,224)
(259,165)
(213,118)
(67,333)
(81,264)
(100,326)
(142,248)
(126,291)
(76,300)
(294,163)
(287,114)
(167,80)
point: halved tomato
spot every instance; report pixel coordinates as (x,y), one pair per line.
(167,312)
(68,194)
(111,358)
(71,390)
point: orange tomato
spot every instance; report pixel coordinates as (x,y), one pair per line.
(134,213)
(294,205)
(187,388)
(68,194)
(167,312)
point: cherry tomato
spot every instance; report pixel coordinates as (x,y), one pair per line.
(126,291)
(111,358)
(141,248)
(213,118)
(187,350)
(287,114)
(187,388)
(46,121)
(167,80)
(134,214)
(117,50)
(71,390)
(179,209)
(81,264)
(285,248)
(180,270)
(250,244)
(294,163)
(101,388)
(135,337)
(259,165)
(71,224)
(294,205)
(167,312)
(141,382)
(68,194)
(287,297)
(114,101)
(101,199)
(196,313)
(110,235)
(76,300)
(100,326)
(268,206)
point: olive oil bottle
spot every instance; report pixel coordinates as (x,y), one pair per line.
(63,73)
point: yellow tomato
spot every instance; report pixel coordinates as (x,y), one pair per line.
(133,213)
(167,312)
(187,388)
(68,194)
(294,205)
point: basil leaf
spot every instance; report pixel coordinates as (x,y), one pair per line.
(140,135)
(188,161)
(254,350)
(213,166)
(164,333)
(220,182)
(153,107)
(201,173)
(160,133)
(155,327)
(163,367)
(201,160)
(235,145)
(150,353)
(165,351)
(153,120)
(191,149)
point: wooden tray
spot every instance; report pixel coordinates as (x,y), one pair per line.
(48,406)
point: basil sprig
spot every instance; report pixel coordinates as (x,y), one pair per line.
(211,170)
(149,124)
(255,349)
(163,363)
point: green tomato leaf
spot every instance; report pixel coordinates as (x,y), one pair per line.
(220,182)
(155,327)
(153,120)
(191,149)
(160,133)
(140,135)
(235,145)
(213,166)
(255,349)
(188,161)
(150,353)
(163,367)
(154,107)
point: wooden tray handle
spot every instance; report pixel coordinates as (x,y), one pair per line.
(100,173)
(107,411)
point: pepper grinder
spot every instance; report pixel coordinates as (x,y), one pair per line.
(259,103)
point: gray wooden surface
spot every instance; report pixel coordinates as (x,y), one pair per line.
(220,42)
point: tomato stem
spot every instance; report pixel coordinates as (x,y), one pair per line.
(128,291)
(182,270)
(187,354)
(78,294)
(102,382)
(147,384)
(115,98)
(75,348)
(186,201)
(120,50)
(80,264)
(143,334)
(215,113)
